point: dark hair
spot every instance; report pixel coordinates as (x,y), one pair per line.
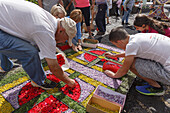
(118,33)
(157,25)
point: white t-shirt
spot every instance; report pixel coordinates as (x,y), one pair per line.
(29,22)
(150,46)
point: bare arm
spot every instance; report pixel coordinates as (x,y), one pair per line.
(123,70)
(69,5)
(125,67)
(61,2)
(58,72)
(40,3)
(110,55)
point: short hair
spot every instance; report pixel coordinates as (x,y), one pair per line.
(58,9)
(118,33)
(76,15)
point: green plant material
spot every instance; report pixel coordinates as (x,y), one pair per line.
(27,106)
(74,75)
(33,1)
(12,76)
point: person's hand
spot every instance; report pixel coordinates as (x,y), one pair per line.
(109,73)
(108,54)
(72,83)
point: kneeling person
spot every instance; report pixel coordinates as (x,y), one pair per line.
(146,55)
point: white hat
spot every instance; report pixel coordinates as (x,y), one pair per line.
(70,27)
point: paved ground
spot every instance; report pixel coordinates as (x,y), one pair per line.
(135,102)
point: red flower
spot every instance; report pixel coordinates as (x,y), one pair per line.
(49,105)
(60,60)
(98,52)
(73,93)
(53,78)
(89,57)
(28,92)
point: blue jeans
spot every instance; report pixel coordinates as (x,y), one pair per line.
(100,17)
(126,15)
(75,40)
(27,54)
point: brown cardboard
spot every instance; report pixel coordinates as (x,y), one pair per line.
(103,103)
(108,91)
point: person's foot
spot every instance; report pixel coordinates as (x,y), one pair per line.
(100,33)
(74,48)
(127,23)
(79,47)
(45,86)
(150,90)
(1,70)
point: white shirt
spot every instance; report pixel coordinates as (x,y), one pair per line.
(29,22)
(150,46)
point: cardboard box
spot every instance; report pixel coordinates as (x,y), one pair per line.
(90,43)
(110,95)
(103,103)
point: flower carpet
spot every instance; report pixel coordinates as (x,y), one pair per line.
(17,95)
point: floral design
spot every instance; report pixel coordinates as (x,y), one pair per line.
(73,93)
(49,105)
(60,60)
(28,92)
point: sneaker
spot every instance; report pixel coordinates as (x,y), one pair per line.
(45,86)
(127,23)
(122,22)
(150,90)
(1,70)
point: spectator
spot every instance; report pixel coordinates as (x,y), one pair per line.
(58,11)
(146,55)
(47,4)
(128,5)
(100,17)
(146,24)
(76,15)
(24,24)
(84,6)
(119,2)
(69,6)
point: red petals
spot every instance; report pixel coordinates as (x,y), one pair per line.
(49,105)
(112,66)
(28,92)
(60,59)
(73,93)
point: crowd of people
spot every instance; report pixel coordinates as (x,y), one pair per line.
(29,33)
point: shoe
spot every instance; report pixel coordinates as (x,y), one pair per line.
(1,70)
(122,22)
(45,86)
(127,23)
(150,90)
(100,33)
